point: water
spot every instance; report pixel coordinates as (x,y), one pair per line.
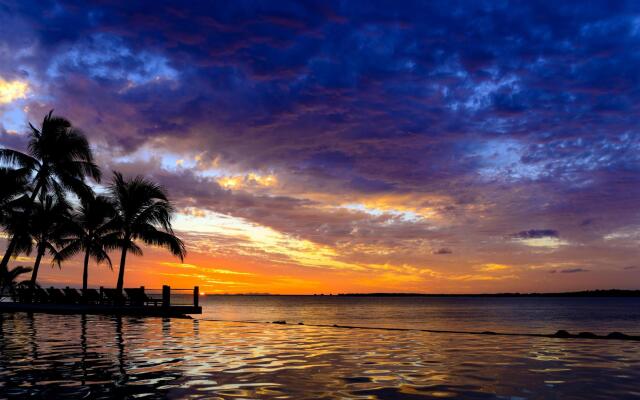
(73,356)
(511,315)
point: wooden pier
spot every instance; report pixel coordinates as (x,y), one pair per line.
(132,301)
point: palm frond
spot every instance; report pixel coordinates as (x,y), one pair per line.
(101,256)
(72,248)
(15,272)
(158,213)
(159,238)
(134,249)
(15,157)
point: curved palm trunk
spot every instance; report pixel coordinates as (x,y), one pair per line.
(85,273)
(12,243)
(7,254)
(123,260)
(36,265)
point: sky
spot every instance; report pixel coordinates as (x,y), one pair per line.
(351,146)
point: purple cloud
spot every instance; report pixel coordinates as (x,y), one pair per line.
(348,103)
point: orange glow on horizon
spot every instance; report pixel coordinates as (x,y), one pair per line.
(232,255)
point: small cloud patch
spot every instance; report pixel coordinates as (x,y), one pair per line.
(442,251)
(549,238)
(493,267)
(535,234)
(573,270)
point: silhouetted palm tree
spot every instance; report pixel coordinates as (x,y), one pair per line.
(92,230)
(49,218)
(59,159)
(12,203)
(143,213)
(16,227)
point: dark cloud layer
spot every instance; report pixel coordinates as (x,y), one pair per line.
(483,117)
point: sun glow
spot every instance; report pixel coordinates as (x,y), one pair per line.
(251,179)
(250,239)
(12,90)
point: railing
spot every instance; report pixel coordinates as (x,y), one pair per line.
(168,296)
(165,297)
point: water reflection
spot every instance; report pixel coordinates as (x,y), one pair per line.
(83,347)
(517,315)
(48,356)
(120,346)
(72,356)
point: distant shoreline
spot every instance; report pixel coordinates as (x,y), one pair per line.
(584,293)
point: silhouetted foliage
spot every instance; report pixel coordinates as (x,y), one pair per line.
(48,219)
(90,230)
(35,210)
(143,214)
(58,160)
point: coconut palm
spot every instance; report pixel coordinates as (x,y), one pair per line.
(49,217)
(12,202)
(15,225)
(91,230)
(59,159)
(143,214)
(12,199)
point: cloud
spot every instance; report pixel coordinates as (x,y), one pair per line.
(379,136)
(535,234)
(443,250)
(12,90)
(543,238)
(493,267)
(570,270)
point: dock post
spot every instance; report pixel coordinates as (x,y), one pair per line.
(196,294)
(166,296)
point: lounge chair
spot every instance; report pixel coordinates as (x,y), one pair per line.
(72,295)
(137,297)
(57,296)
(41,296)
(23,295)
(91,296)
(114,296)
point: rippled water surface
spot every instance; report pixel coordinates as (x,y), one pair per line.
(51,356)
(515,315)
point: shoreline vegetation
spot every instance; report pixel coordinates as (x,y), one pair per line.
(48,207)
(583,293)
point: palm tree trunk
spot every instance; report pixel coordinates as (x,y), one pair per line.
(4,266)
(85,273)
(12,244)
(123,260)
(32,198)
(36,265)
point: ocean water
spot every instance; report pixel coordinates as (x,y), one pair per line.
(508,315)
(74,356)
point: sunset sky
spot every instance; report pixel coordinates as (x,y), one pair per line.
(327,147)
